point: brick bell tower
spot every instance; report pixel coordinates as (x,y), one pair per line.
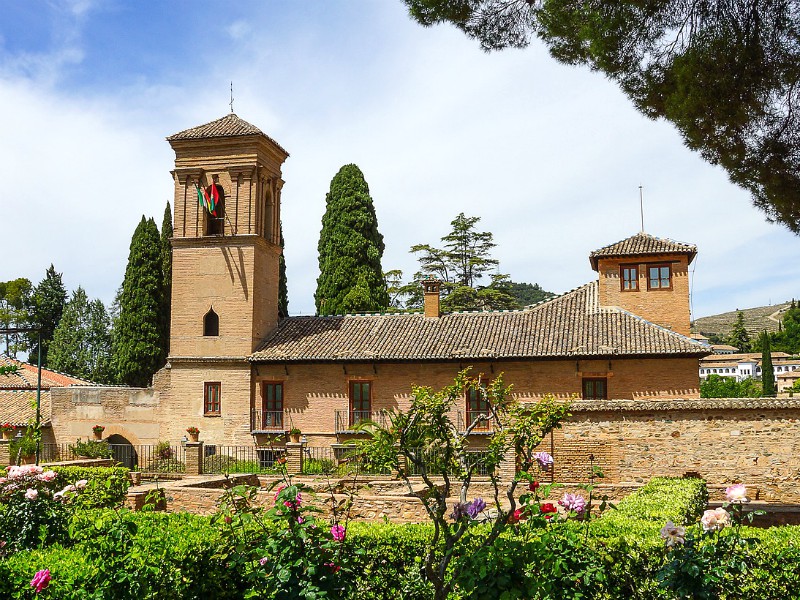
(225,266)
(225,274)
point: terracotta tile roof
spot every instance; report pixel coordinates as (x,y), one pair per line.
(642,244)
(571,325)
(228,126)
(18,407)
(26,378)
(18,392)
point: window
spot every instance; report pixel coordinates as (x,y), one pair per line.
(360,401)
(595,388)
(271,405)
(477,406)
(211,324)
(629,278)
(211,398)
(659,277)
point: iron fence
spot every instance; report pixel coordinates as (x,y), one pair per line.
(346,460)
(242,459)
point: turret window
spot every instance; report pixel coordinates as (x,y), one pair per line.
(659,277)
(211,324)
(629,277)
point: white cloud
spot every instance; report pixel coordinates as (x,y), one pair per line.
(550,157)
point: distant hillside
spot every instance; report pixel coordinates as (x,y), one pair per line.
(527,293)
(756,320)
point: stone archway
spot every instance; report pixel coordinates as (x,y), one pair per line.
(122,451)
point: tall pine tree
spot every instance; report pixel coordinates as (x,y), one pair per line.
(283,289)
(47,306)
(767,370)
(15,299)
(166,267)
(350,249)
(138,331)
(81,343)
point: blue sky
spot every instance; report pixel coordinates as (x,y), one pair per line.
(549,156)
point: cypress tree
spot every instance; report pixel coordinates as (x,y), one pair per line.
(283,290)
(767,371)
(138,330)
(739,336)
(350,249)
(47,306)
(166,267)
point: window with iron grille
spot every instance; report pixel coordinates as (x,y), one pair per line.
(477,406)
(272,405)
(595,388)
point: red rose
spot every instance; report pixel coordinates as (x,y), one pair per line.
(547,510)
(533,486)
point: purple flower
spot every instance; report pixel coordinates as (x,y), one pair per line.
(41,580)
(263,561)
(337,531)
(544,459)
(475,507)
(573,502)
(459,511)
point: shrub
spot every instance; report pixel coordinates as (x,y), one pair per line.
(91,449)
(33,511)
(24,446)
(107,486)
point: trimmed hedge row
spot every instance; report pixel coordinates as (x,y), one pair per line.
(123,555)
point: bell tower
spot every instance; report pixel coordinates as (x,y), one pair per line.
(226,239)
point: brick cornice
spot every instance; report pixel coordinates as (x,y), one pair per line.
(680,404)
(207,359)
(215,241)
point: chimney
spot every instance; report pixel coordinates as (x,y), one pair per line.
(430,288)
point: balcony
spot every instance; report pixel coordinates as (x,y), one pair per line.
(267,421)
(346,419)
(466,418)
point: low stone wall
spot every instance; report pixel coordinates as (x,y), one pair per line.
(85,462)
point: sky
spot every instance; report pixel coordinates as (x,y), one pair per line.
(550,157)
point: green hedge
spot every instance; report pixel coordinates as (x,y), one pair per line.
(107,486)
(141,556)
(170,556)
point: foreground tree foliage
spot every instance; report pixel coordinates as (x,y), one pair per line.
(427,430)
(139,332)
(724,72)
(350,249)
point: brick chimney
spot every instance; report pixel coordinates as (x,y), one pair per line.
(430,288)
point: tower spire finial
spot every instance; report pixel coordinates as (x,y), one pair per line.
(231,102)
(641,207)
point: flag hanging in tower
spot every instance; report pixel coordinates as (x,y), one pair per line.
(208,198)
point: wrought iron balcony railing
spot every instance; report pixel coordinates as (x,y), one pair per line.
(346,419)
(271,421)
(467,418)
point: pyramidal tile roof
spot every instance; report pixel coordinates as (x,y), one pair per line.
(230,125)
(571,325)
(27,375)
(642,244)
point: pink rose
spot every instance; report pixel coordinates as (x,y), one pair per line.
(41,580)
(263,561)
(81,484)
(46,476)
(736,494)
(31,494)
(715,520)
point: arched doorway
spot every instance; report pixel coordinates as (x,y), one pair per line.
(122,451)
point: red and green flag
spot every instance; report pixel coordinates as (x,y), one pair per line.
(208,198)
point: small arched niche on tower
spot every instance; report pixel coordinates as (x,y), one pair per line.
(211,323)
